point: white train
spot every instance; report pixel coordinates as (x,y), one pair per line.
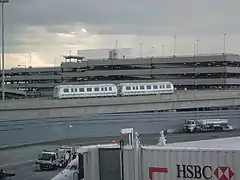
(82,91)
(112,90)
(136,89)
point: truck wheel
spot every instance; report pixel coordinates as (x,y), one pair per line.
(191,130)
(218,129)
(41,169)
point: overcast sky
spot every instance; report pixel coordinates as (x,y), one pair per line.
(50,28)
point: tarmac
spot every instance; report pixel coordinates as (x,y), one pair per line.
(21,160)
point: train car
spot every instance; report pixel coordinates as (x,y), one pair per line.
(84,91)
(153,88)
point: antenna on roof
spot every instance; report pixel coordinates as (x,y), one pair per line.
(116,44)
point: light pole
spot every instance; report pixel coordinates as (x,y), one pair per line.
(3,58)
(197,47)
(174,46)
(224,43)
(194,64)
(25,78)
(163,51)
(152,51)
(30,60)
(140,50)
(224,56)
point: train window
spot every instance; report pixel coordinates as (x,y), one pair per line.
(148,87)
(155,87)
(163,86)
(105,88)
(136,87)
(96,89)
(110,88)
(76,90)
(81,89)
(65,90)
(168,86)
(102,89)
(89,89)
(160,86)
(141,87)
(133,87)
(72,90)
(128,88)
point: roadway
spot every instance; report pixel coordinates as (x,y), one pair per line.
(21,160)
(89,126)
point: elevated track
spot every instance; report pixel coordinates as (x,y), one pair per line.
(33,108)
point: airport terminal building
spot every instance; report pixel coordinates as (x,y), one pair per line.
(215,71)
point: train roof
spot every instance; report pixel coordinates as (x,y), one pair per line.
(83,85)
(147,83)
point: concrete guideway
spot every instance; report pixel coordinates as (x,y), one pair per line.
(24,109)
(178,96)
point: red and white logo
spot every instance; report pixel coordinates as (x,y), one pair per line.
(156,170)
(223,173)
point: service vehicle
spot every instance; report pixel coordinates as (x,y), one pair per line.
(5,175)
(48,160)
(206,125)
(66,154)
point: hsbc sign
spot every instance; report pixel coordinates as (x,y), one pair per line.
(196,172)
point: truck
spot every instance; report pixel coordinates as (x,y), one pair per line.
(47,160)
(66,154)
(207,125)
(51,160)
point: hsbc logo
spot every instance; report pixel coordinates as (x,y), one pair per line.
(196,172)
(223,173)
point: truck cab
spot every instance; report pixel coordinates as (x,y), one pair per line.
(190,125)
(47,160)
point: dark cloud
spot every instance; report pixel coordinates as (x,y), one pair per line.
(125,13)
(32,25)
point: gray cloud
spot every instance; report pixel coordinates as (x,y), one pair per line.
(126,13)
(104,17)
